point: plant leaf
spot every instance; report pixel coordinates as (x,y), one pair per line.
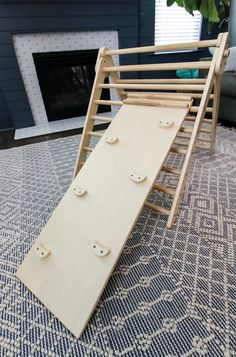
(180,3)
(210,26)
(204,9)
(190,6)
(213,13)
(170,2)
(198,4)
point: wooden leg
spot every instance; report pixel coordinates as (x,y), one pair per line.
(92,111)
(93,107)
(215,115)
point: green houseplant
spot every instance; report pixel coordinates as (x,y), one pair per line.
(214,14)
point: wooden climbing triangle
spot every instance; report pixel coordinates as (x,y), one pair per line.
(72,259)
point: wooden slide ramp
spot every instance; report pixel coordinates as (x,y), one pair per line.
(71,261)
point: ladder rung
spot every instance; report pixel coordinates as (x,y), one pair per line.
(199,95)
(181,143)
(185,130)
(194,109)
(206,147)
(169,190)
(158,66)
(184,136)
(199,146)
(100,118)
(94,133)
(204,130)
(178,150)
(108,102)
(157,208)
(157,103)
(192,118)
(205,120)
(87,148)
(163,81)
(190,130)
(204,140)
(160,95)
(171,170)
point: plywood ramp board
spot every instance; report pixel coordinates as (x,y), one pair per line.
(70,280)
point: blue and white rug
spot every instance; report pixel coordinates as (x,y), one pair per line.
(173,291)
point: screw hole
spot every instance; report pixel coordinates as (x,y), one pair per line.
(94,246)
(101,251)
(42,253)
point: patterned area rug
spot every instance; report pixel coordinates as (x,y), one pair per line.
(173,291)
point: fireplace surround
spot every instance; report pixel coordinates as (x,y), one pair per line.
(26,45)
(66,81)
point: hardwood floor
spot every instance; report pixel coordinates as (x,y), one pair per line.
(7,137)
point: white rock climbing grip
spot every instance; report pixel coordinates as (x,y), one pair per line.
(111,139)
(79,191)
(163,123)
(99,249)
(41,251)
(137,177)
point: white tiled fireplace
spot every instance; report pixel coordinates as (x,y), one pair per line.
(27,44)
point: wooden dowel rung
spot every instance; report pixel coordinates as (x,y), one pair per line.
(194,109)
(197,87)
(204,140)
(190,130)
(184,136)
(108,102)
(161,48)
(198,95)
(204,130)
(159,66)
(226,52)
(163,81)
(157,103)
(169,190)
(178,150)
(205,120)
(95,133)
(185,130)
(177,95)
(100,118)
(181,143)
(199,146)
(192,118)
(159,95)
(171,170)
(87,148)
(206,147)
(157,208)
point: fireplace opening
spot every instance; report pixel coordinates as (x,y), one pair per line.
(66,80)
